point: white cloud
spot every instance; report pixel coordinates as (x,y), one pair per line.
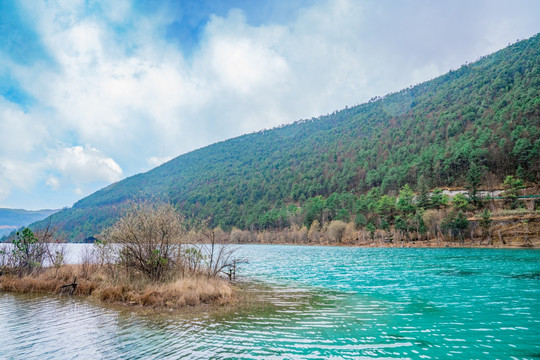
(16,174)
(59,168)
(135,96)
(241,58)
(84,165)
(117,10)
(154,161)
(20,132)
(120,93)
(53,182)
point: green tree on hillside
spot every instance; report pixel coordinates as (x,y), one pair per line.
(460,202)
(456,222)
(438,199)
(485,223)
(513,185)
(474,180)
(423,200)
(313,210)
(405,201)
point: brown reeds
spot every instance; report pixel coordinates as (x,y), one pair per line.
(186,291)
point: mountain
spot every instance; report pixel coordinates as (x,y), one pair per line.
(484,117)
(12,219)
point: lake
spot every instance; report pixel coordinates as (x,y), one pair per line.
(326,302)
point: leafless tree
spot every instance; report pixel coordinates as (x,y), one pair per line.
(54,245)
(216,248)
(148,238)
(336,230)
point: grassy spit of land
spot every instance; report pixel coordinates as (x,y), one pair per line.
(95,281)
(141,260)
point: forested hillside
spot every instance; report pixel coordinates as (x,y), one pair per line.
(481,120)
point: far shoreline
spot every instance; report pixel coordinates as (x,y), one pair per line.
(412,244)
(416,245)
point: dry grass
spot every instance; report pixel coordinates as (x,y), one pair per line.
(187,291)
(49,280)
(28,284)
(183,292)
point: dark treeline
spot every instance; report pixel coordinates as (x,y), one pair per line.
(480,121)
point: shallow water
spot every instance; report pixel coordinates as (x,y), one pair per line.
(349,303)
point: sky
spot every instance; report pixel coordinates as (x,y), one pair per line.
(92,92)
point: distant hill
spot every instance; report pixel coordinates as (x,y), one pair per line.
(484,115)
(12,219)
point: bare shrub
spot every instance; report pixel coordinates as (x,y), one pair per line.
(314,234)
(294,235)
(6,260)
(57,254)
(89,262)
(349,235)
(336,230)
(236,235)
(218,254)
(241,236)
(149,238)
(266,237)
(191,259)
(303,235)
(219,257)
(432,220)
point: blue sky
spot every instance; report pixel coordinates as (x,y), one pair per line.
(94,91)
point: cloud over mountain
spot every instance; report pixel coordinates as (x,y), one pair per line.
(110,87)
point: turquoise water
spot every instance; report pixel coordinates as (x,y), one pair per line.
(340,303)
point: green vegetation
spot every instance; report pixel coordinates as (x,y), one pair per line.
(485,223)
(30,252)
(513,185)
(470,128)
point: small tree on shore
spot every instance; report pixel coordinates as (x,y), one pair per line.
(432,220)
(32,250)
(27,252)
(218,253)
(474,180)
(149,238)
(371,229)
(423,200)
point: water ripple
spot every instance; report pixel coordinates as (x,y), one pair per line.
(326,303)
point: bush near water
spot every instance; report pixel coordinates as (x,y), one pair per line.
(141,260)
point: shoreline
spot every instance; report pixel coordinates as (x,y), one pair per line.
(186,293)
(421,244)
(250,297)
(416,244)
(184,296)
